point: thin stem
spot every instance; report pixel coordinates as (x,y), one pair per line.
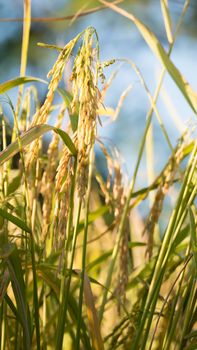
(163,256)
(64,288)
(67,285)
(3,324)
(24,54)
(188,313)
(59,19)
(84,251)
(167,297)
(32,245)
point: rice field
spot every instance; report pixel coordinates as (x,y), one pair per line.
(80,267)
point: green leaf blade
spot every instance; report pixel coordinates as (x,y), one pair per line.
(31,135)
(10,84)
(193,235)
(167,20)
(15,220)
(161,54)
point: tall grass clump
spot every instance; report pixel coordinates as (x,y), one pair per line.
(80,268)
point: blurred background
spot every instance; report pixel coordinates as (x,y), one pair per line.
(118,39)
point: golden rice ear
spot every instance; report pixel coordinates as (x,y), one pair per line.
(166,182)
(48,177)
(114,191)
(123,273)
(42,114)
(85,95)
(63,180)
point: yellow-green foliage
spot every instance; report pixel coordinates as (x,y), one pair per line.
(80,268)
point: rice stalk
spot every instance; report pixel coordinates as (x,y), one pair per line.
(85,93)
(167,180)
(43,113)
(57,202)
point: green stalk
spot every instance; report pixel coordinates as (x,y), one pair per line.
(32,247)
(4,232)
(16,340)
(67,285)
(3,325)
(44,311)
(165,250)
(175,316)
(180,274)
(24,54)
(64,288)
(5,167)
(77,343)
(188,312)
(151,313)
(35,293)
(27,212)
(4,239)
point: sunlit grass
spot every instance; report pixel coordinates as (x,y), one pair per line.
(80,266)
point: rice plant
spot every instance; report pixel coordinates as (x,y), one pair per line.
(80,268)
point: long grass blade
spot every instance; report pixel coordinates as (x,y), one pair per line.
(159,51)
(11,256)
(193,233)
(26,33)
(15,220)
(167,19)
(92,316)
(10,84)
(31,135)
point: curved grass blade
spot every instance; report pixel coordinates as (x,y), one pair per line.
(193,236)
(26,33)
(4,283)
(9,252)
(15,220)
(10,84)
(14,184)
(167,20)
(161,54)
(67,97)
(92,316)
(66,139)
(13,308)
(32,134)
